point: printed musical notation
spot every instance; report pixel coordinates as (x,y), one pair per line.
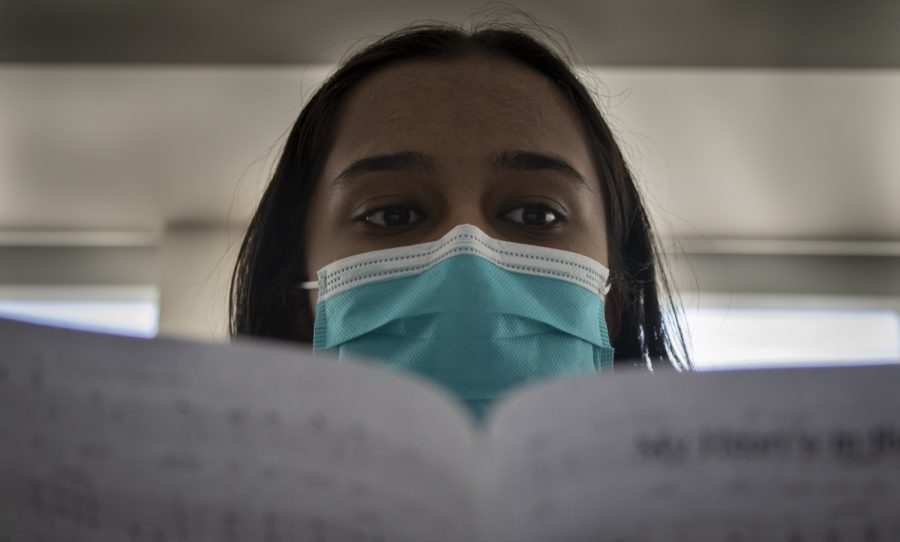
(821,466)
(91,459)
(112,441)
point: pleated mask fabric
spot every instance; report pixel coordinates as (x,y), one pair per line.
(478,315)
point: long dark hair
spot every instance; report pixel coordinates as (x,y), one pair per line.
(272,258)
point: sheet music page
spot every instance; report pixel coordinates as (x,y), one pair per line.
(112,439)
(805,455)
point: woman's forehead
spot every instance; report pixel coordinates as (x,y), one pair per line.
(473,77)
(473,104)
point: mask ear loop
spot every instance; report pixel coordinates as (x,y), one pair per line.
(605,290)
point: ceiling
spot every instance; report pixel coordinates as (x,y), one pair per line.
(761,33)
(759,121)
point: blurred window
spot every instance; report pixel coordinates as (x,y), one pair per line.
(745,336)
(123,311)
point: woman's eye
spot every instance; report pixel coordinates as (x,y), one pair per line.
(534,215)
(395,216)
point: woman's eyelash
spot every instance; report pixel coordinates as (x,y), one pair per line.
(535,215)
(391,216)
(396,216)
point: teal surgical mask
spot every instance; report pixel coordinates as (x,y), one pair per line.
(478,315)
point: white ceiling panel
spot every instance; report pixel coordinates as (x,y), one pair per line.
(721,153)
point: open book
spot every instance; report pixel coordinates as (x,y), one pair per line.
(107,438)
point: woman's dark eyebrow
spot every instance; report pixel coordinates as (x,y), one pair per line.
(535,161)
(417,162)
(410,161)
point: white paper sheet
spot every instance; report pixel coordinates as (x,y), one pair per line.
(112,439)
(777,456)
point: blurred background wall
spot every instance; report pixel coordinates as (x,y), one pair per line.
(135,139)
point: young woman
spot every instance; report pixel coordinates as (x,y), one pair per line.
(452,203)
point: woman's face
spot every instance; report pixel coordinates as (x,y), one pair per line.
(422,147)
